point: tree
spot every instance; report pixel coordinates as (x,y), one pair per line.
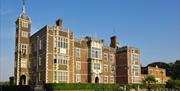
(149,81)
(173,84)
(176,70)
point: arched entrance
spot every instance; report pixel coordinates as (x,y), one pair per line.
(22,80)
(96,80)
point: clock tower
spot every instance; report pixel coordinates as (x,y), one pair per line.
(22,48)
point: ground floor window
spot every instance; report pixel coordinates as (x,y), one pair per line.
(105,79)
(61,76)
(111,79)
(78,78)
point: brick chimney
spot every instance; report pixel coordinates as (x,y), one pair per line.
(113,42)
(59,23)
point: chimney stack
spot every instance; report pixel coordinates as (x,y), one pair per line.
(59,23)
(114,42)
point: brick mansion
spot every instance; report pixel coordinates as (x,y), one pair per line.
(54,55)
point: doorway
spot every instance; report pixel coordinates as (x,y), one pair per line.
(22,80)
(96,80)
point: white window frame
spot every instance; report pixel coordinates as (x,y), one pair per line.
(105,78)
(24,24)
(24,34)
(62,42)
(111,57)
(55,76)
(39,60)
(63,60)
(40,44)
(105,68)
(97,66)
(24,48)
(96,53)
(78,78)
(78,52)
(105,56)
(23,63)
(78,65)
(111,79)
(62,76)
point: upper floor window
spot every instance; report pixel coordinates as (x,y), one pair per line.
(24,49)
(61,60)
(150,71)
(136,73)
(105,56)
(62,42)
(135,70)
(96,66)
(40,44)
(78,52)
(78,65)
(135,59)
(24,34)
(39,60)
(96,53)
(105,68)
(111,57)
(24,24)
(23,63)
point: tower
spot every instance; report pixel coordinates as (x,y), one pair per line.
(128,63)
(22,48)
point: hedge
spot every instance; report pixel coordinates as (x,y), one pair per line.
(79,86)
(90,86)
(82,86)
(15,88)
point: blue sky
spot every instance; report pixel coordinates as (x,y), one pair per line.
(151,25)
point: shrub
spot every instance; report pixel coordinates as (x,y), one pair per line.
(173,84)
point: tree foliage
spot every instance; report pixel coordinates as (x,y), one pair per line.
(149,82)
(173,84)
(176,70)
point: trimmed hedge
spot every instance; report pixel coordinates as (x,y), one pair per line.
(90,86)
(79,86)
(15,88)
(82,86)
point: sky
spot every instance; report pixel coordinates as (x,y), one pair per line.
(151,25)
